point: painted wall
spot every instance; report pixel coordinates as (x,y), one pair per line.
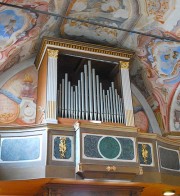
(21,31)
(158,61)
(140,117)
(18,93)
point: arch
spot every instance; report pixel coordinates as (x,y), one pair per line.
(147,109)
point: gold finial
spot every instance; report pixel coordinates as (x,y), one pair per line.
(28,78)
(124,64)
(53,53)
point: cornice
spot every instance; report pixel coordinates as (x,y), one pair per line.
(118,54)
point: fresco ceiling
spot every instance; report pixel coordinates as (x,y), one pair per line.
(157,62)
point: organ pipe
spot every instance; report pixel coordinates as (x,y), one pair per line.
(86,91)
(101,103)
(62,97)
(66,94)
(98,97)
(90,90)
(88,100)
(94,94)
(69,99)
(82,94)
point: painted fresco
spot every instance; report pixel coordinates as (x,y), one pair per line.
(162,63)
(20,29)
(117,13)
(140,117)
(160,9)
(18,98)
(175,111)
(159,61)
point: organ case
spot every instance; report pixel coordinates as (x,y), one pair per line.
(83,82)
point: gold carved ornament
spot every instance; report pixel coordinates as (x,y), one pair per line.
(144,153)
(52,53)
(124,64)
(140,171)
(111,168)
(62,147)
(89,48)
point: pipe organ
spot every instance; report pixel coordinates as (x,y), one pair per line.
(96,89)
(80,82)
(88,100)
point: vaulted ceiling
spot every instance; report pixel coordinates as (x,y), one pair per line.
(155,70)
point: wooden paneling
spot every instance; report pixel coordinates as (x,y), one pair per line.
(32,187)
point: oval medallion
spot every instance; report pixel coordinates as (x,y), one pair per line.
(109,147)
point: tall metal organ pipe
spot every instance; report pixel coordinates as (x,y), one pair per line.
(88,100)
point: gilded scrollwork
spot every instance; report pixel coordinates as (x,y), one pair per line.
(144,153)
(111,168)
(53,53)
(124,64)
(62,147)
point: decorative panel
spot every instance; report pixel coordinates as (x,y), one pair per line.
(169,159)
(18,149)
(62,148)
(53,189)
(104,147)
(145,152)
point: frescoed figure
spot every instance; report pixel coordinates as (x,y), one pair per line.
(165,59)
(10,23)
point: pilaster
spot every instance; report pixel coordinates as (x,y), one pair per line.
(126,90)
(51,95)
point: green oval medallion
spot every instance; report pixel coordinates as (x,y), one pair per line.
(109,147)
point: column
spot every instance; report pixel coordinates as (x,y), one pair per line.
(51,93)
(126,90)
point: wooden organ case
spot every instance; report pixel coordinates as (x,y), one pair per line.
(87,87)
(83,82)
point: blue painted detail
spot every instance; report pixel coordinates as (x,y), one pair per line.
(127,146)
(57,153)
(173,80)
(91,146)
(10,96)
(10,22)
(138,108)
(20,149)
